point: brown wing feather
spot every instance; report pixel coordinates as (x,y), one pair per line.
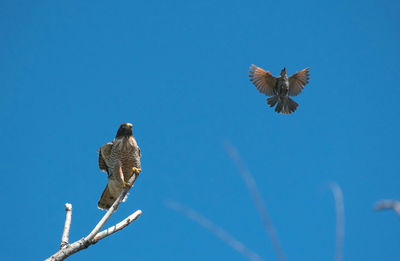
(297,81)
(104,156)
(263,80)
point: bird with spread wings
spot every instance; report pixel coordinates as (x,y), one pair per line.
(120,159)
(279,88)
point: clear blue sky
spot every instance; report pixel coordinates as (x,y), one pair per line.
(72,71)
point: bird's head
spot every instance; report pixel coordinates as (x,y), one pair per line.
(283,72)
(125,130)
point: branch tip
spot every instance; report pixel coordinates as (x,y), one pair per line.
(68,207)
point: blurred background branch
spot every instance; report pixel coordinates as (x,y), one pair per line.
(388,204)
(256,196)
(216,230)
(339,207)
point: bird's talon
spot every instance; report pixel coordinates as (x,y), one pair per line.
(136,170)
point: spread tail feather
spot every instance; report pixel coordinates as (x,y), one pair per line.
(286,105)
(272,101)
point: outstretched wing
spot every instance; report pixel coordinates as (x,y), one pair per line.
(297,81)
(104,157)
(263,80)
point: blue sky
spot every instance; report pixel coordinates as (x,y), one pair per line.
(72,71)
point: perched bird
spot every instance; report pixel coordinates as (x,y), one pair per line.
(120,159)
(280,88)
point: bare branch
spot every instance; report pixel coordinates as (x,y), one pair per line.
(89,239)
(111,230)
(110,211)
(388,204)
(339,206)
(260,205)
(67,225)
(216,230)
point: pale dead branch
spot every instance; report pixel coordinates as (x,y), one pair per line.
(67,225)
(216,230)
(121,225)
(388,204)
(339,207)
(95,236)
(262,210)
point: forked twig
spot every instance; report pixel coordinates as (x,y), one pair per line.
(91,239)
(216,230)
(262,210)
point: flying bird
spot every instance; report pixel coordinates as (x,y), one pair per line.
(279,88)
(120,159)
